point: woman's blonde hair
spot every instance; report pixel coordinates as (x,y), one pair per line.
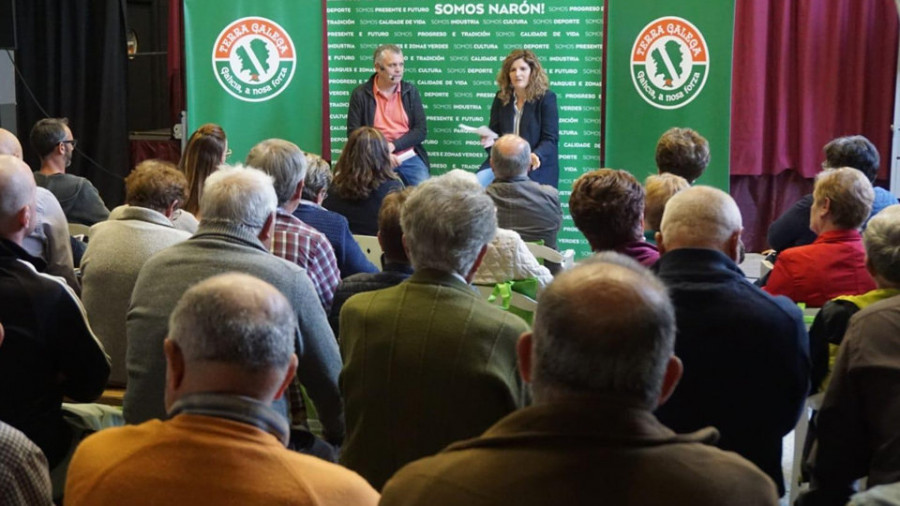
(538,83)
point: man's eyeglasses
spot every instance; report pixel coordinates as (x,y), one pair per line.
(73,142)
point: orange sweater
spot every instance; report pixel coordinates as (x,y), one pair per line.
(194,459)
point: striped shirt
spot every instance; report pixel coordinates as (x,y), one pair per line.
(305,246)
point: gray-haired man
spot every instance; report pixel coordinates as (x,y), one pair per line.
(238,214)
(428,362)
(531,209)
(229,355)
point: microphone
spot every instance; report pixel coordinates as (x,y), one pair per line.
(384,69)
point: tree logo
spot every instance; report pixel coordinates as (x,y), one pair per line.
(254,59)
(669,63)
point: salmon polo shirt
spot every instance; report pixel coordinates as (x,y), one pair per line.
(390,118)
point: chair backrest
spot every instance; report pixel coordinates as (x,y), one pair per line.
(565,258)
(76,229)
(370,247)
(515,302)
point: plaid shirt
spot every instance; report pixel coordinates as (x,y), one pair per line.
(23,470)
(303,245)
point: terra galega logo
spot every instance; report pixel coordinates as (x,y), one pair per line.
(254,59)
(669,62)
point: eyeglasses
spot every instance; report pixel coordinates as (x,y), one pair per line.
(73,142)
(227,153)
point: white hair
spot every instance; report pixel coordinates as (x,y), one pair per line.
(882,241)
(239,196)
(446,221)
(284,161)
(237,319)
(700,216)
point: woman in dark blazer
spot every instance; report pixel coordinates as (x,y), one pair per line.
(525,106)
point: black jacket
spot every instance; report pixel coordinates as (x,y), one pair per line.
(745,355)
(362,113)
(48,352)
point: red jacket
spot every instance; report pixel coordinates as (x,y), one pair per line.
(834,264)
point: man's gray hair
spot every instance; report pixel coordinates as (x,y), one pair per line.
(621,349)
(700,216)
(510,156)
(882,240)
(236,319)
(446,221)
(318,177)
(284,161)
(238,196)
(17,188)
(378,55)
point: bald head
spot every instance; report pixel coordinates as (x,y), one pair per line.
(701,217)
(510,157)
(9,144)
(622,351)
(17,190)
(231,333)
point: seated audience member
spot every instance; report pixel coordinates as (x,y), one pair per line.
(527,207)
(362,177)
(396,264)
(295,241)
(683,152)
(509,259)
(428,362)
(121,245)
(882,242)
(792,228)
(52,139)
(745,353)
(858,424)
(206,149)
(834,264)
(24,478)
(49,350)
(607,206)
(350,258)
(237,218)
(591,435)
(659,189)
(49,240)
(229,355)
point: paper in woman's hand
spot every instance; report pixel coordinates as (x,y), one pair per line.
(483,131)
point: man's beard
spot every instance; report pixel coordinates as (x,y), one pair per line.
(69,158)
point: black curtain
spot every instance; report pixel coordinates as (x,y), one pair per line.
(72,55)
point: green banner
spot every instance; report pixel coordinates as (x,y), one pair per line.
(255,68)
(668,64)
(453,52)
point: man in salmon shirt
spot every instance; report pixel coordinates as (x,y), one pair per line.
(394,107)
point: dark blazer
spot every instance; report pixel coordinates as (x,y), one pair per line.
(362,214)
(362,113)
(539,126)
(745,355)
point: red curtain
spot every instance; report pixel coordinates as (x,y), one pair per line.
(805,72)
(175,61)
